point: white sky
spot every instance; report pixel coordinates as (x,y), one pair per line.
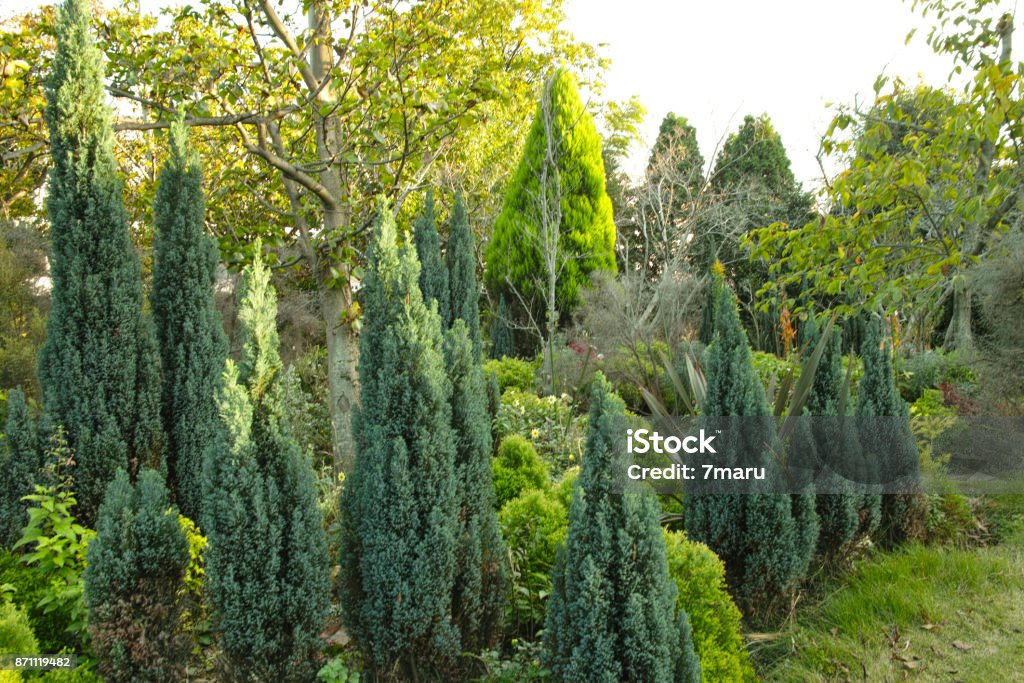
(714,61)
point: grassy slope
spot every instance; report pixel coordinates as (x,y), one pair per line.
(923,614)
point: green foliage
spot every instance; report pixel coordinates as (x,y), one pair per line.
(98,369)
(523,664)
(188,326)
(337,671)
(564,486)
(548,423)
(717,633)
(16,635)
(29,587)
(755,534)
(889,442)
(928,370)
(517,468)
(433,278)
(611,615)
(515,254)
(57,543)
(513,373)
(20,462)
(136,567)
(266,564)
(22,306)
(533,525)
(500,332)
(463,288)
(835,441)
(480,575)
(400,507)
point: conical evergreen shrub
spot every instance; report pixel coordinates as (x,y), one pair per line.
(20,461)
(461,260)
(133,578)
(480,577)
(433,272)
(188,326)
(99,368)
(267,564)
(500,332)
(888,443)
(755,533)
(611,615)
(400,507)
(836,444)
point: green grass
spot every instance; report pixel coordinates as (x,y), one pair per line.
(923,614)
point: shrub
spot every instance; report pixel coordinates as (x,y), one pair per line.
(267,565)
(769,366)
(717,634)
(30,586)
(563,487)
(136,568)
(19,467)
(16,637)
(517,468)
(930,369)
(513,373)
(548,423)
(532,525)
(400,508)
(57,544)
(612,615)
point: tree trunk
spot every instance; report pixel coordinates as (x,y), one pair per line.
(343,380)
(958,334)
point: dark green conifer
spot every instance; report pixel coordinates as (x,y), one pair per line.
(479,596)
(135,568)
(433,273)
(611,615)
(887,441)
(20,460)
(461,256)
(400,505)
(755,534)
(835,441)
(500,331)
(98,369)
(267,563)
(188,326)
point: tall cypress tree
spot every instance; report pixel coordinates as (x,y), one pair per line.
(755,534)
(20,460)
(400,505)
(464,292)
(267,564)
(136,565)
(611,615)
(188,326)
(587,227)
(835,441)
(888,443)
(99,366)
(433,273)
(480,578)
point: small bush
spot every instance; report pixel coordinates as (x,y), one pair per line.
(16,637)
(562,489)
(548,423)
(513,373)
(768,365)
(137,565)
(517,468)
(533,525)
(949,519)
(930,369)
(30,586)
(714,618)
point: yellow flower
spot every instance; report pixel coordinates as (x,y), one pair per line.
(534,433)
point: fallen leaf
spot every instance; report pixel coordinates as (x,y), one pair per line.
(961,646)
